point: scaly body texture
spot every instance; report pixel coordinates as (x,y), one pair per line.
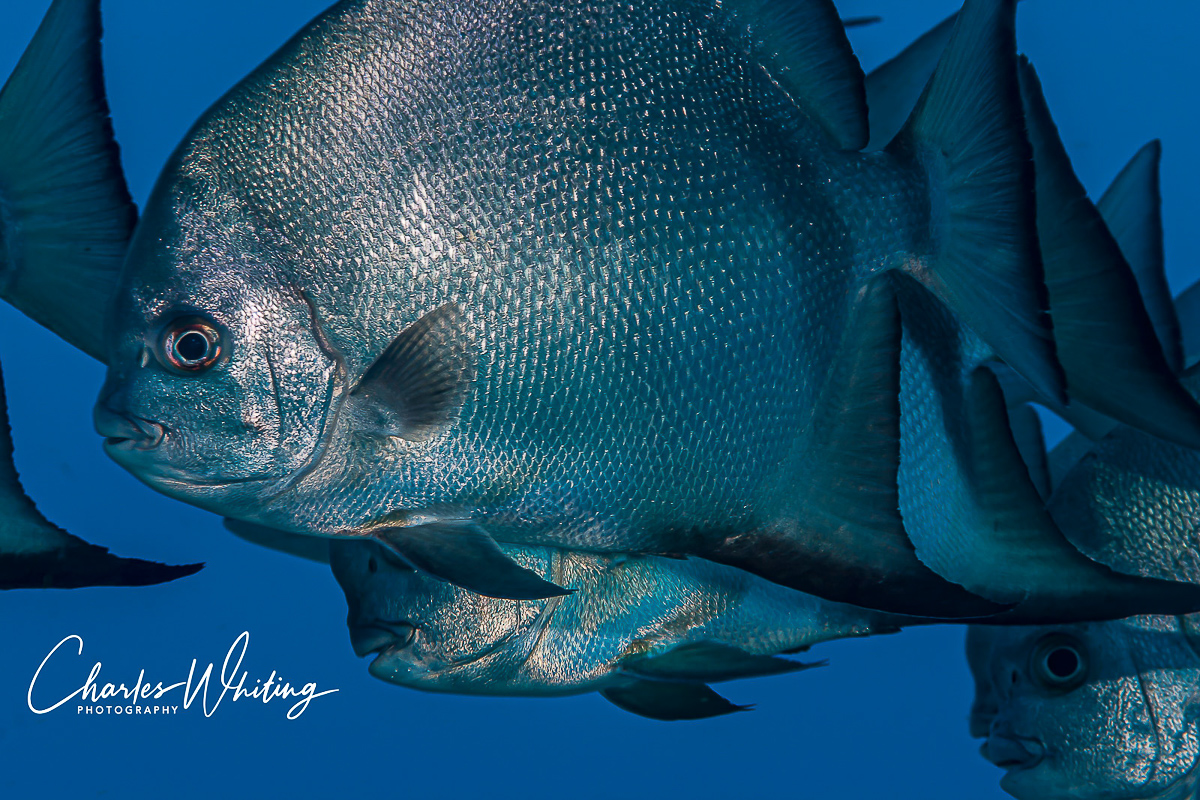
(610,277)
(1106,711)
(1099,711)
(625,611)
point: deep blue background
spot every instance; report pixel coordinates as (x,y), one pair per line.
(886,719)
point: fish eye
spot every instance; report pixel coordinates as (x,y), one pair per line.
(189,344)
(1059,662)
(372,565)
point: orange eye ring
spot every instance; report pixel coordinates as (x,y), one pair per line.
(191,345)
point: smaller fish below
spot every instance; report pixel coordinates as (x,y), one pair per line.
(649,633)
(1091,711)
(36,554)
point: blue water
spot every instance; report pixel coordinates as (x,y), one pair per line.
(887,718)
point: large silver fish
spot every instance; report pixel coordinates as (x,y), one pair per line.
(649,633)
(605,278)
(968,505)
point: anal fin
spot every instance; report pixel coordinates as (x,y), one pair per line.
(1014,552)
(670,702)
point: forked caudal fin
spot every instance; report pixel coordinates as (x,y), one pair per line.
(1106,341)
(65,212)
(848,542)
(968,133)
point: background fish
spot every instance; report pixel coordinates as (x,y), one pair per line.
(1098,710)
(36,554)
(1106,710)
(647,632)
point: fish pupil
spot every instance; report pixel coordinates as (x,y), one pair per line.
(1062,662)
(192,346)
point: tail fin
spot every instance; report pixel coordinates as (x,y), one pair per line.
(967,131)
(1132,210)
(65,212)
(1106,340)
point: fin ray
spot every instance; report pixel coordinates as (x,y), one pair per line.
(65,212)
(967,132)
(1106,341)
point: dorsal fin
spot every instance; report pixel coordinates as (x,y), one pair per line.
(968,133)
(803,45)
(1132,210)
(65,212)
(894,87)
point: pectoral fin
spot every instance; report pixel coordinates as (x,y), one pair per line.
(417,387)
(462,553)
(313,548)
(670,702)
(709,662)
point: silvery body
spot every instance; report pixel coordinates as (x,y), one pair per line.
(427,634)
(639,254)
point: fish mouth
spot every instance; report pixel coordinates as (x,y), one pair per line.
(381,637)
(124,433)
(1013,752)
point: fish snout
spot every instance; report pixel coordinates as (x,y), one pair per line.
(126,432)
(378,636)
(1009,751)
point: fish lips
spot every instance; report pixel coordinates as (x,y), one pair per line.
(381,637)
(1010,752)
(125,434)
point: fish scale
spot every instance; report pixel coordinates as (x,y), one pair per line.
(736,294)
(592,275)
